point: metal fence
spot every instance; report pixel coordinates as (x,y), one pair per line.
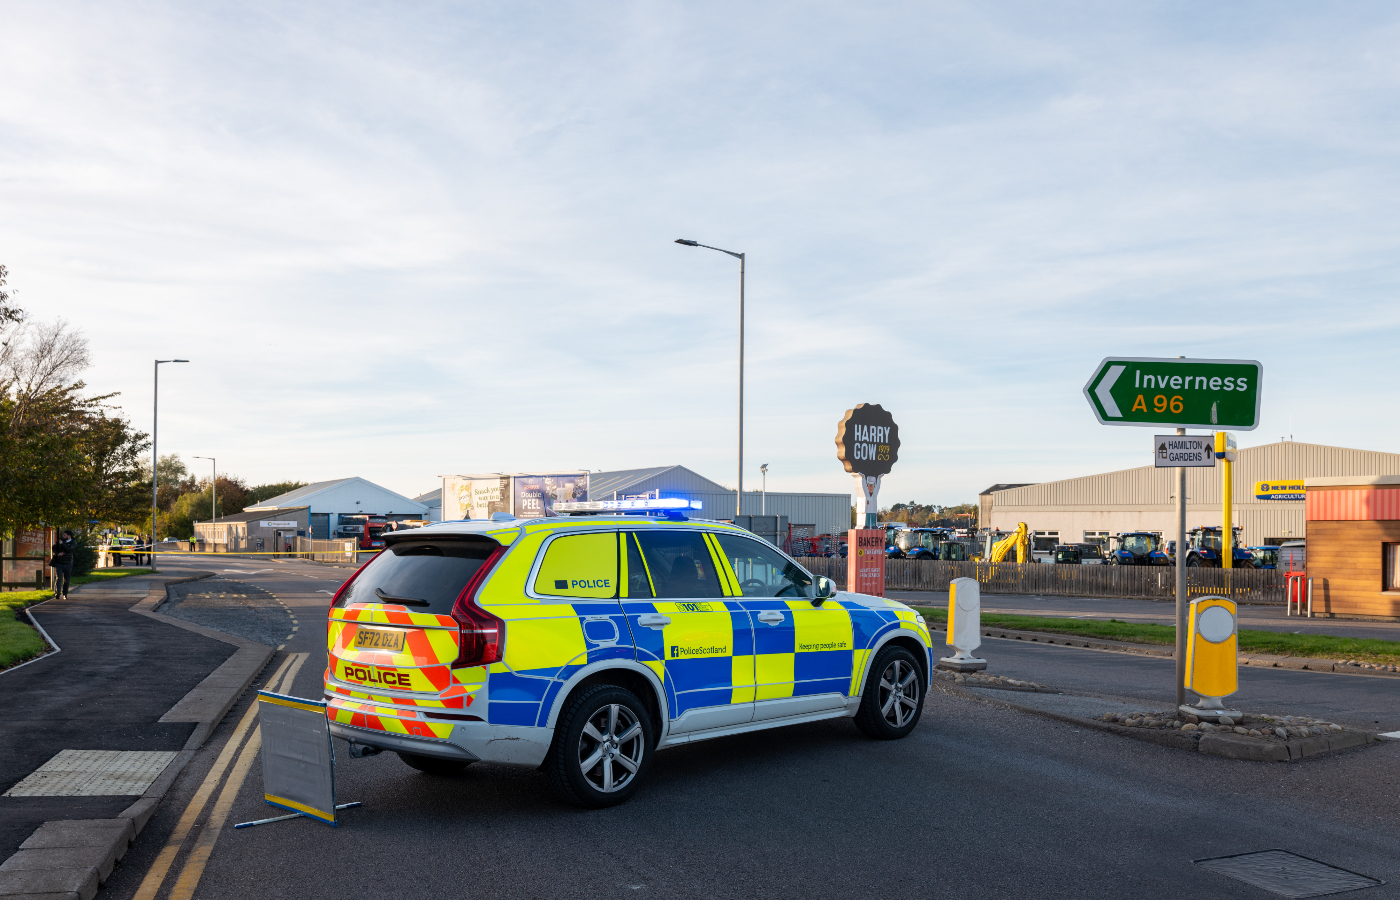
(1260,586)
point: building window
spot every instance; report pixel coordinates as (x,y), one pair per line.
(1390,556)
(1096,537)
(1045,540)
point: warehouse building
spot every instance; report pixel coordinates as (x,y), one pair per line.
(326,501)
(807,514)
(1143,499)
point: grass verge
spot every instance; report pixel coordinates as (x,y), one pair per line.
(1275,643)
(18,640)
(21,599)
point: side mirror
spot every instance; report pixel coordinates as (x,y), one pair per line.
(826,589)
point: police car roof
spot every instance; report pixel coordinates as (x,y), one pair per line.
(503,526)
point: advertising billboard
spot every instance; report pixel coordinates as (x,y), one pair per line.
(534,494)
(524,495)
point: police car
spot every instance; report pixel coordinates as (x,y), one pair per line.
(584,643)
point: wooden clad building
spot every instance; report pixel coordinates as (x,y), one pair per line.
(1353,554)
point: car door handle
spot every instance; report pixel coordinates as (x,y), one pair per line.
(772,617)
(653,620)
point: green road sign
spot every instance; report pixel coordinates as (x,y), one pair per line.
(1181,393)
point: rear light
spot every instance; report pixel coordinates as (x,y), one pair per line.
(481,636)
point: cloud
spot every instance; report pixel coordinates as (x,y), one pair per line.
(398,242)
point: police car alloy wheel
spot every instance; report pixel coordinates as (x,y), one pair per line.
(894,695)
(602,747)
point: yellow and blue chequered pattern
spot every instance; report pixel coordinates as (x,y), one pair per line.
(714,652)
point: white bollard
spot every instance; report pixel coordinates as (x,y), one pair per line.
(964,626)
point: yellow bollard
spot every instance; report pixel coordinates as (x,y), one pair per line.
(1225,452)
(1212,656)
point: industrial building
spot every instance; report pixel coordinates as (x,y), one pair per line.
(432,504)
(324,502)
(1143,499)
(807,514)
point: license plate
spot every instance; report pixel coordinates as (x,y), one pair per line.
(376,639)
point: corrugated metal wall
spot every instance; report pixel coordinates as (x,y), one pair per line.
(831,513)
(1142,498)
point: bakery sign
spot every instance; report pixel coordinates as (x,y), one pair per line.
(867,440)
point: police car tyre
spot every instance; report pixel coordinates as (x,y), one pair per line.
(602,747)
(894,695)
(432,765)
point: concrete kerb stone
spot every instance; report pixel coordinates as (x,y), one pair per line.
(25,883)
(70,858)
(1229,746)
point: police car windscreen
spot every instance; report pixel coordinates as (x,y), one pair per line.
(424,576)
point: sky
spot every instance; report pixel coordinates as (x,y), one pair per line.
(407,240)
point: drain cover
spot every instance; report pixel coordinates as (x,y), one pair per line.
(94,773)
(1288,874)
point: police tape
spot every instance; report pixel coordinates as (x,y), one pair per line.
(127,551)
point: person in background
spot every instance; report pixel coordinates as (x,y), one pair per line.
(64,555)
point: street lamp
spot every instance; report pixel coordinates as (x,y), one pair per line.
(739,495)
(764,469)
(155,456)
(213,494)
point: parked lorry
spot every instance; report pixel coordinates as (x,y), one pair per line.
(371,532)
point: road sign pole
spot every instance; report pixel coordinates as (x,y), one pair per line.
(1180,582)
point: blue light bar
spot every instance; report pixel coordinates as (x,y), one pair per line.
(662,503)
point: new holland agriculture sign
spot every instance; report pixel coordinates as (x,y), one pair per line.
(1179,393)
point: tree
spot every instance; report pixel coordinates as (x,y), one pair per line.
(65,458)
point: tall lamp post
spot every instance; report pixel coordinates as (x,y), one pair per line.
(764,508)
(739,494)
(213,493)
(155,456)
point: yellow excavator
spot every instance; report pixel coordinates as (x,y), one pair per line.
(1020,539)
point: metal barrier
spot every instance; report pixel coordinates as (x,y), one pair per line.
(1255,586)
(1298,582)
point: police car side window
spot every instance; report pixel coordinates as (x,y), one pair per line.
(638,581)
(763,571)
(583,566)
(680,564)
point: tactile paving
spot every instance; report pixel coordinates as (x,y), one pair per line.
(94,773)
(1288,874)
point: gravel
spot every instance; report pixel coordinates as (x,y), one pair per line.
(986,679)
(1256,725)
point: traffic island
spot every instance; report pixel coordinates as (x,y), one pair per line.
(998,682)
(1256,737)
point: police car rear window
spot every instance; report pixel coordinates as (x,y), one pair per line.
(424,576)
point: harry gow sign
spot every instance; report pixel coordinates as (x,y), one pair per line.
(867,440)
(1179,393)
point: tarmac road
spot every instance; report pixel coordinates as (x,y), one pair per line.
(978,800)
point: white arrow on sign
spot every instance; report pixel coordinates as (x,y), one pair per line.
(1110,406)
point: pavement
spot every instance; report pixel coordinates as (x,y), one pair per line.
(117,675)
(1162,612)
(978,799)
